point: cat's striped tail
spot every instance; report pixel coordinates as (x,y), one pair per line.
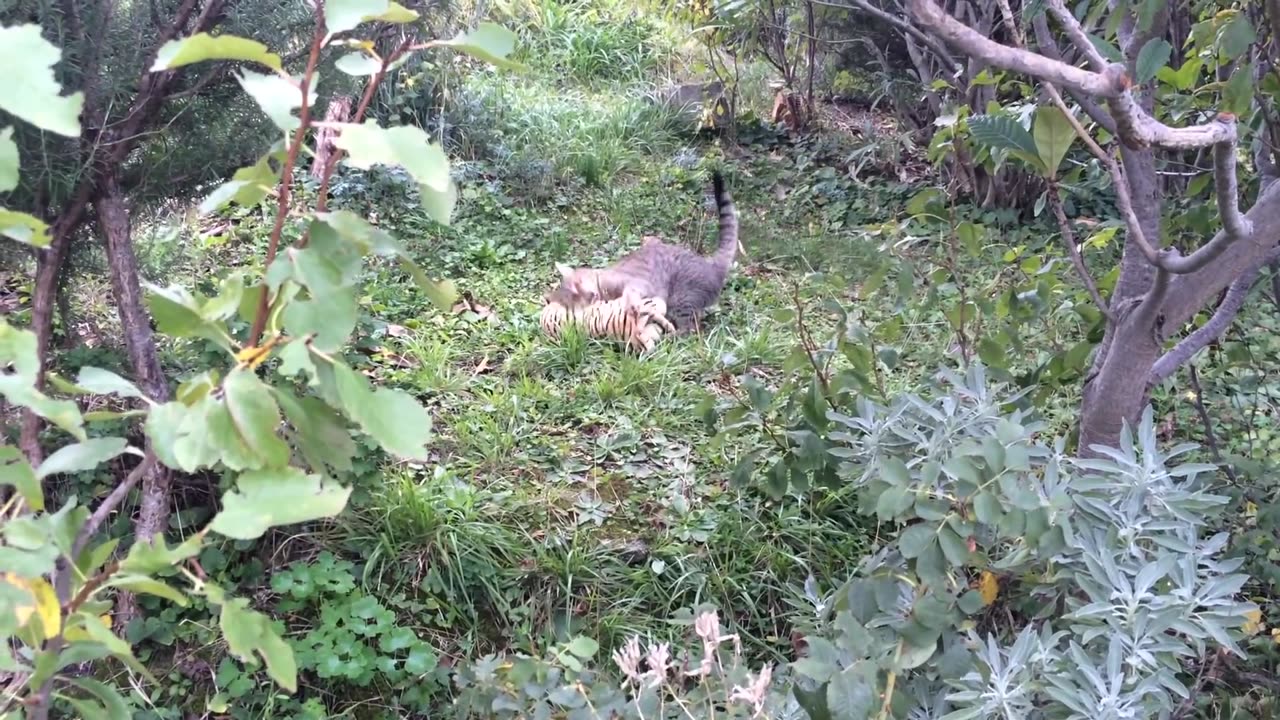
(728,247)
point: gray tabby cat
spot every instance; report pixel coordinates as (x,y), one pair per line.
(688,282)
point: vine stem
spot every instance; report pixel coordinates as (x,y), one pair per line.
(286,172)
(891,681)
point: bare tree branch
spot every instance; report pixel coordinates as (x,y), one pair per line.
(1222,318)
(1224,176)
(1077,260)
(1048,48)
(900,23)
(111,502)
(1076,33)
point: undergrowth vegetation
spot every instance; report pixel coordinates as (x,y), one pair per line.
(856,493)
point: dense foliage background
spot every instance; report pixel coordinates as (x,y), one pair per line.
(295,335)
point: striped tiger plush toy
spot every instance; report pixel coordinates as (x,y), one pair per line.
(637,322)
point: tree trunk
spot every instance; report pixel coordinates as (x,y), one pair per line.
(339,111)
(113,223)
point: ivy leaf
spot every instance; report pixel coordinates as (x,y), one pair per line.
(105,382)
(264,499)
(25,228)
(249,634)
(489,42)
(1054,136)
(82,456)
(277,97)
(203,46)
(407,147)
(9,163)
(16,472)
(30,89)
(1154,55)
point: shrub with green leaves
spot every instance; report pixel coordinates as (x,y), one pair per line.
(1024,583)
(56,594)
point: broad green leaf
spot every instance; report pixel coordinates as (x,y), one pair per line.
(895,472)
(246,188)
(852,693)
(913,541)
(17,383)
(149,557)
(277,97)
(98,631)
(343,15)
(16,472)
(24,228)
(87,710)
(1236,37)
(264,499)
(111,699)
(163,426)
(147,585)
(30,90)
(256,417)
(439,204)
(987,508)
(397,13)
(421,660)
(953,546)
(489,42)
(249,634)
(105,382)
(319,432)
(8,161)
(408,147)
(392,417)
(330,315)
(1237,96)
(81,456)
(583,647)
(1053,137)
(178,313)
(358,64)
(203,46)
(1002,132)
(1154,55)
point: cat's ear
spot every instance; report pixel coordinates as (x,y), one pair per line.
(564,270)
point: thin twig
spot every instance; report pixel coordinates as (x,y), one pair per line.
(111,502)
(1069,239)
(286,173)
(1210,438)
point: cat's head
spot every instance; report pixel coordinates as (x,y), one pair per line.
(578,286)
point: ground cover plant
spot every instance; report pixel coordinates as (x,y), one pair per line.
(296,336)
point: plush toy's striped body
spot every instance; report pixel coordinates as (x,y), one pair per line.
(639,324)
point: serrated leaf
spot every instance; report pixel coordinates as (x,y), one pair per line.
(24,228)
(1053,136)
(29,89)
(1154,55)
(489,42)
(105,382)
(264,499)
(407,147)
(9,164)
(1236,37)
(79,457)
(249,634)
(16,472)
(203,46)
(277,97)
